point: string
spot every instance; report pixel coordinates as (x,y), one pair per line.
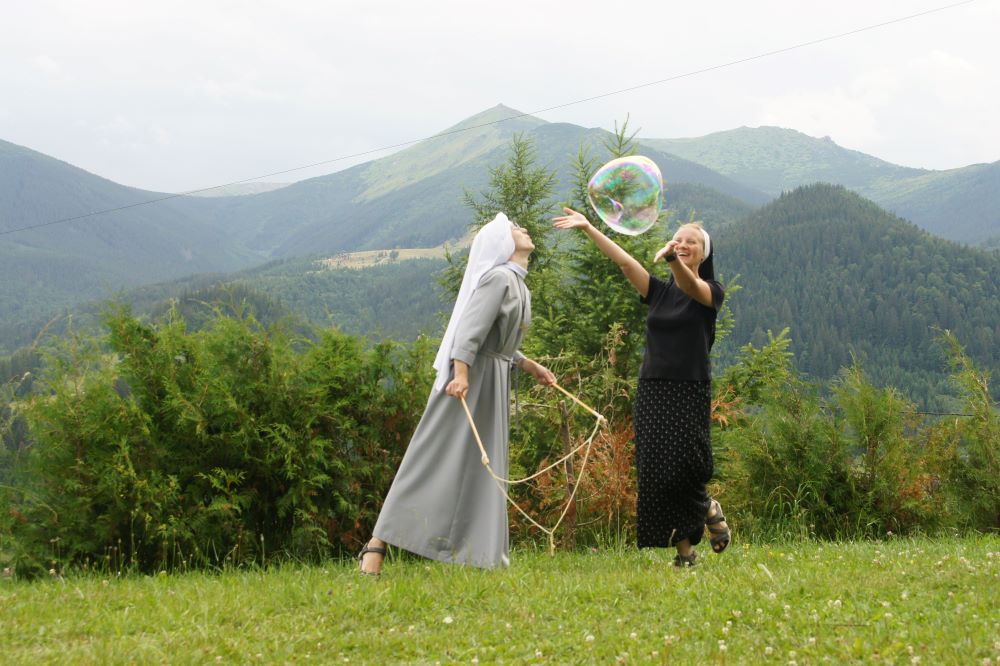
(503,483)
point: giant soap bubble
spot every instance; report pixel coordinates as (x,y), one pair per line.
(626,192)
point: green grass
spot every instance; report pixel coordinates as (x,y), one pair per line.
(897,601)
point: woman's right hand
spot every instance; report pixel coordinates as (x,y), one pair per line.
(571,220)
(457,388)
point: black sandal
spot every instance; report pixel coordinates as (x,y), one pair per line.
(719,537)
(685,560)
(378,550)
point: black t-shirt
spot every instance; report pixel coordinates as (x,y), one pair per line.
(679,332)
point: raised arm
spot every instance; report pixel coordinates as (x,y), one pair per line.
(686,278)
(633,270)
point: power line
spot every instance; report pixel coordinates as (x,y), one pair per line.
(401,144)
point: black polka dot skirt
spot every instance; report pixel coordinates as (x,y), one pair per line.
(673,458)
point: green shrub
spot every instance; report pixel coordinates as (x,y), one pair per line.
(158,447)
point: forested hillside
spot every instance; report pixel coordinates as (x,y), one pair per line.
(849,278)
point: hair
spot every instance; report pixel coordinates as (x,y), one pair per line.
(706,269)
(700,226)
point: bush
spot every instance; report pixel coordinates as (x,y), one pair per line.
(157,447)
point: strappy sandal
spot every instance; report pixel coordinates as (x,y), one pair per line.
(719,537)
(378,550)
(688,560)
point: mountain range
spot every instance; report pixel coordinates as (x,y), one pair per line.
(413,198)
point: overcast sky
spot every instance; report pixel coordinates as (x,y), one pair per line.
(180,95)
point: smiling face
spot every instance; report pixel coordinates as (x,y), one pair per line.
(690,246)
(522,240)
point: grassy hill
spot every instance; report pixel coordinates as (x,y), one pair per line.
(415,197)
(412,199)
(958,204)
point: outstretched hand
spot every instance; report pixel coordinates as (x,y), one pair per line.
(571,220)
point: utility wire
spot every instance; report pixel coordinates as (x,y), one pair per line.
(696,72)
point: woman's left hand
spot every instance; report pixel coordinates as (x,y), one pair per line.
(541,374)
(669,248)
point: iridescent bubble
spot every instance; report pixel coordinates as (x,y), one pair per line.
(626,192)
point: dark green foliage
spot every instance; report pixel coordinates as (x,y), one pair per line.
(859,462)
(850,279)
(978,437)
(231,444)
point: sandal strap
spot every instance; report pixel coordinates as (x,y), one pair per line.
(378,550)
(718,530)
(718,517)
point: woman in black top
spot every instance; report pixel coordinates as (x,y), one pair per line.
(673,399)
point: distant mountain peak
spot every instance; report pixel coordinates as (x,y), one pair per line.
(497,115)
(475,136)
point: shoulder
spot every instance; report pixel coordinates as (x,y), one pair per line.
(498,276)
(657,287)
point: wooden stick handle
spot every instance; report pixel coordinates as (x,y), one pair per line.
(485,459)
(580,402)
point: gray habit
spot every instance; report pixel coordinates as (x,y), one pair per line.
(443,504)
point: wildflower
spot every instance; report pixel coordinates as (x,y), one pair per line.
(768,650)
(915,660)
(772,596)
(52,572)
(633,635)
(589,638)
(475,660)
(448,619)
(538,653)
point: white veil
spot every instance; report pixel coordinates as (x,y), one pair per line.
(492,246)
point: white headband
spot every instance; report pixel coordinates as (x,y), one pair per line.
(708,245)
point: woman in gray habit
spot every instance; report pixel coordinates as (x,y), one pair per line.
(443,504)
